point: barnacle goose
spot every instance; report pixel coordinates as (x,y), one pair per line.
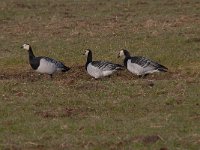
(44,64)
(139,65)
(98,69)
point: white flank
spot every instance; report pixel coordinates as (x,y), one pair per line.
(108,72)
(138,70)
(46,67)
(97,72)
(94,71)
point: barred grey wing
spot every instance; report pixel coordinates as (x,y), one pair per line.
(145,62)
(57,63)
(103,65)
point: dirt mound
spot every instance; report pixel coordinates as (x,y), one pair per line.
(78,73)
(64,112)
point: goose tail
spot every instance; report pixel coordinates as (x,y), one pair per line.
(119,67)
(162,68)
(65,69)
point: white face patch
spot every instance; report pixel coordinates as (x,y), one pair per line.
(121,53)
(86,52)
(26,46)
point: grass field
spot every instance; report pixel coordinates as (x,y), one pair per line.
(72,111)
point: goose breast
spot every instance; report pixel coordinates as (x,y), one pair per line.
(46,66)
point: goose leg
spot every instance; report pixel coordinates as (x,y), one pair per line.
(109,76)
(51,76)
(143,76)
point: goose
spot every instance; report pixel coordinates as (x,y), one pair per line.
(44,65)
(99,69)
(139,65)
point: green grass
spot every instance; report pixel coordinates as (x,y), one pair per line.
(122,112)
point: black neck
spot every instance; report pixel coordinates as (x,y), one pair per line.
(127,56)
(125,61)
(89,59)
(126,53)
(31,55)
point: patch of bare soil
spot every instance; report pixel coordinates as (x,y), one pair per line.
(141,3)
(78,73)
(126,75)
(193,40)
(26,75)
(195,116)
(35,145)
(65,112)
(146,140)
(163,148)
(10,146)
(75,74)
(150,139)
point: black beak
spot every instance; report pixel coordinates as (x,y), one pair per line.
(21,46)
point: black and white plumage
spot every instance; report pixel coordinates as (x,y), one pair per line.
(44,64)
(139,65)
(98,69)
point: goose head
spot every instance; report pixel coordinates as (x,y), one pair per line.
(26,46)
(87,52)
(123,53)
